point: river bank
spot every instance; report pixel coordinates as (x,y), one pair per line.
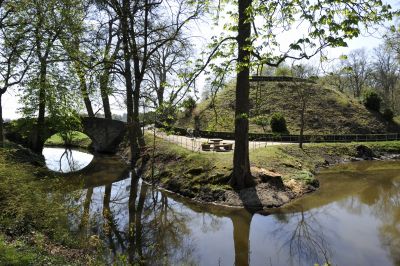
(34,223)
(281,173)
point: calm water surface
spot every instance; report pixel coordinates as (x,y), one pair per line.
(66,160)
(354,219)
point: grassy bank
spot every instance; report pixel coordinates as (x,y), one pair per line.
(79,140)
(34,224)
(205,176)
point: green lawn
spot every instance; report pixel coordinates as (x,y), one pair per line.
(79,139)
(34,212)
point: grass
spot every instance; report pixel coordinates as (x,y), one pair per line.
(328,111)
(19,253)
(192,174)
(34,212)
(79,139)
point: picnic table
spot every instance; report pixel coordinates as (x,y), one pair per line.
(215,141)
(216,145)
(223,147)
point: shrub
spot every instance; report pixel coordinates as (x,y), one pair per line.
(372,100)
(188,105)
(167,114)
(262,121)
(388,114)
(278,123)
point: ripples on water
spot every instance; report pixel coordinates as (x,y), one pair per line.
(354,219)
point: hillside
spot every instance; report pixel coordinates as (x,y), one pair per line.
(327,111)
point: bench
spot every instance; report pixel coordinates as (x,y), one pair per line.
(223,147)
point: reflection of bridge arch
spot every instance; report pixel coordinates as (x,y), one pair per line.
(101,171)
(105,134)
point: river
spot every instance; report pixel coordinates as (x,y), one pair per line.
(353,219)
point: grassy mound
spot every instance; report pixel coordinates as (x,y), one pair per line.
(327,111)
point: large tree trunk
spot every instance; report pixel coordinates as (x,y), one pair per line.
(37,142)
(1,123)
(138,132)
(134,150)
(241,164)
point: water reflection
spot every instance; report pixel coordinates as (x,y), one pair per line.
(353,219)
(66,160)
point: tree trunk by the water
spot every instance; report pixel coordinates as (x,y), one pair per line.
(37,143)
(129,84)
(241,177)
(136,98)
(241,237)
(1,122)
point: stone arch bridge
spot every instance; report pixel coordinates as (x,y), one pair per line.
(106,134)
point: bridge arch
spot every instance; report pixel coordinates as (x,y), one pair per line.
(106,134)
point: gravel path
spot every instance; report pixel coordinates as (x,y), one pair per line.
(194,144)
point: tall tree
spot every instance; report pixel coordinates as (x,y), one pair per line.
(386,74)
(14,53)
(241,162)
(325,24)
(358,71)
(146,26)
(167,67)
(71,39)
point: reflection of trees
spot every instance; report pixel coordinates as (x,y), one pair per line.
(382,196)
(241,237)
(154,231)
(67,154)
(83,226)
(386,208)
(304,238)
(67,158)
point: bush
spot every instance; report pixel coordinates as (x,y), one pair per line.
(388,114)
(188,105)
(372,100)
(262,121)
(278,123)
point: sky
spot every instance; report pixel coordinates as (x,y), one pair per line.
(204,30)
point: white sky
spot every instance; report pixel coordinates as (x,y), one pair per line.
(206,31)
